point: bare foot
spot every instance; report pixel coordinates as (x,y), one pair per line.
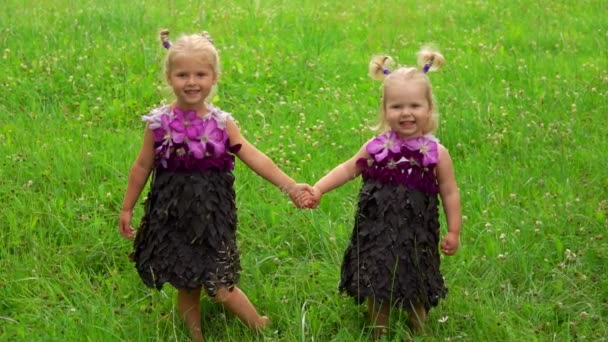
(378,332)
(264,322)
(417,318)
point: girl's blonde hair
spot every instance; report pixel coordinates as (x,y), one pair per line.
(380,69)
(199,46)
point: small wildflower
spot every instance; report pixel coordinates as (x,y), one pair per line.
(570,256)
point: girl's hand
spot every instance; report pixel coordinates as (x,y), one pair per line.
(124,224)
(308,199)
(450,243)
(298,192)
(315,199)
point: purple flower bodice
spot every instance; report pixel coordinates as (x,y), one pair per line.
(184,142)
(407,162)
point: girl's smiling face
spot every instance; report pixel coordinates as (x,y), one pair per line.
(191,80)
(407,108)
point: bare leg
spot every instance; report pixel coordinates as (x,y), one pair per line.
(417,317)
(237,302)
(378,316)
(189,308)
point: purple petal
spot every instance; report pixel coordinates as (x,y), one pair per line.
(198,124)
(218,147)
(177,125)
(179,114)
(168,151)
(159,134)
(412,144)
(235,148)
(166,120)
(192,132)
(217,136)
(394,146)
(197,149)
(431,156)
(178,137)
(209,126)
(380,156)
(375,145)
(362,163)
(152,120)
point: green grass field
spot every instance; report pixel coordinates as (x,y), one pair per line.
(524,110)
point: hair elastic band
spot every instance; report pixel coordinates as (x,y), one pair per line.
(427,66)
(164,38)
(386,71)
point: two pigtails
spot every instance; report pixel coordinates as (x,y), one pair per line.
(428,59)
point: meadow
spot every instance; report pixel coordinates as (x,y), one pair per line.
(523,110)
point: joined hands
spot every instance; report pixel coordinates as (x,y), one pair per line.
(305,196)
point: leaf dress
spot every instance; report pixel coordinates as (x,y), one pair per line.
(393,254)
(187,235)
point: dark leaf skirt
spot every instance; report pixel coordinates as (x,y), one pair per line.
(393,254)
(187,236)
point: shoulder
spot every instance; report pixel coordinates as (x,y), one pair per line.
(220,116)
(434,146)
(155,117)
(381,138)
(443,154)
(156,113)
